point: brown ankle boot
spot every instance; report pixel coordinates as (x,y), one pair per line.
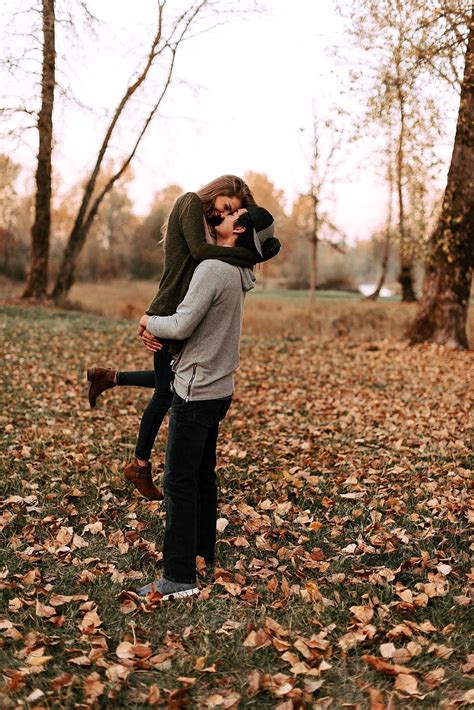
(141,478)
(101,379)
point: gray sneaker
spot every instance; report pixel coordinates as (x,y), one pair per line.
(169,589)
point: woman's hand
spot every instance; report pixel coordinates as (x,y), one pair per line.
(150,342)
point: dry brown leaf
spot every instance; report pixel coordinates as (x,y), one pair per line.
(94,528)
(154,694)
(37,658)
(385,667)
(241,542)
(90,622)
(387,650)
(81,661)
(61,681)
(469,665)
(364,614)
(125,650)
(254,681)
(434,678)
(257,639)
(44,611)
(406,684)
(93,687)
(468,696)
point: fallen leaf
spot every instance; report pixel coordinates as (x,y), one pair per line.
(44,611)
(93,687)
(90,622)
(406,684)
(257,639)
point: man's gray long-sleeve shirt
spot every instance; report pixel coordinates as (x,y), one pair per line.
(209,319)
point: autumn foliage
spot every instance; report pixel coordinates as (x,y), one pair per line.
(343,557)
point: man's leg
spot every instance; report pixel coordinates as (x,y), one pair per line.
(207,498)
(207,483)
(186,442)
(190,493)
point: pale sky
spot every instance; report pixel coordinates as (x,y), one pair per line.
(241,95)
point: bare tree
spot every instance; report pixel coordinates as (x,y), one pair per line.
(168,35)
(166,40)
(443,310)
(321,166)
(37,282)
(398,102)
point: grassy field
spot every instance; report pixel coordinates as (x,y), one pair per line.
(269,313)
(343,557)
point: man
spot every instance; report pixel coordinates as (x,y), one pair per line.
(209,319)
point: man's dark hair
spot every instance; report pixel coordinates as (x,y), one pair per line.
(246,238)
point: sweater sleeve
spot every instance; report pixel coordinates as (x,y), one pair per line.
(202,291)
(191,220)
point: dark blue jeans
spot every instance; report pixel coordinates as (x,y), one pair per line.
(190,485)
(158,405)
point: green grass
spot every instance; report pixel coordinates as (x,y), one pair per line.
(301,294)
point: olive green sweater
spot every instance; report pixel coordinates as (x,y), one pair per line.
(185,247)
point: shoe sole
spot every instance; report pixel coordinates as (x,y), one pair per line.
(175,595)
(180,595)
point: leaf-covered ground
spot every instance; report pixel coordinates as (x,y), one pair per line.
(343,553)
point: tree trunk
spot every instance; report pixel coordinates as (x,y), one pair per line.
(405,278)
(37,283)
(313,272)
(446,290)
(386,251)
(388,230)
(66,273)
(313,268)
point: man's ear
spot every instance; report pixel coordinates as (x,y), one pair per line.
(238,230)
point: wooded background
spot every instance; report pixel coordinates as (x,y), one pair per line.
(406,57)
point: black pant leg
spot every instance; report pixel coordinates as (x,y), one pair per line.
(184,452)
(207,503)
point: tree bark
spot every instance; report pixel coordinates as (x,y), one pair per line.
(313,268)
(405,278)
(443,310)
(388,230)
(37,282)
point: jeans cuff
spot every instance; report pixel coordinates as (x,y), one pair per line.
(171,578)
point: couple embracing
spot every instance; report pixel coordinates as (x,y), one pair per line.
(213,240)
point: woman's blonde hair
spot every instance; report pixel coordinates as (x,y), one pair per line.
(227,185)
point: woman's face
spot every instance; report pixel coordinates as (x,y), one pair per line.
(224,205)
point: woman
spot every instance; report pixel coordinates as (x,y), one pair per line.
(187,241)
